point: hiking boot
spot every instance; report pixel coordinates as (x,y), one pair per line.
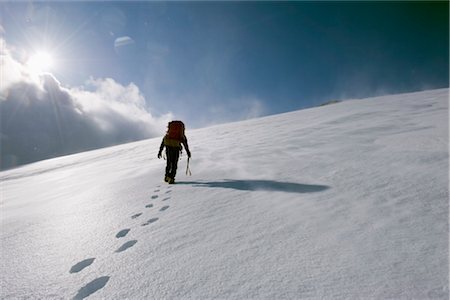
(166,179)
(171,180)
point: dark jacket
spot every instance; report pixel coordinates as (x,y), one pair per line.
(170,143)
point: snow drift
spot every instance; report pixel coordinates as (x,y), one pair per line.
(343,201)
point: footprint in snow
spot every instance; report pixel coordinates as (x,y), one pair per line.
(165,199)
(136,215)
(164,208)
(156,191)
(122,233)
(149,205)
(91,287)
(127,245)
(150,221)
(81,265)
(168,192)
(155,196)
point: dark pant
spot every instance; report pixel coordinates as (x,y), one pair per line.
(173,154)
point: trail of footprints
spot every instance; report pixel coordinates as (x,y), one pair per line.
(99,283)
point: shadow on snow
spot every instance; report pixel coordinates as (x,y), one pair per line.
(260,185)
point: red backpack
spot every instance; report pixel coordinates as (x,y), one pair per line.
(175,131)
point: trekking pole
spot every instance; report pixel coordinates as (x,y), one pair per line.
(188,171)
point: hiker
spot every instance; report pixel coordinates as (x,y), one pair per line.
(173,140)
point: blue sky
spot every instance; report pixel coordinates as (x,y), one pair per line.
(202,60)
(122,69)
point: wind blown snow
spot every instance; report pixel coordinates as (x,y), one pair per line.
(343,201)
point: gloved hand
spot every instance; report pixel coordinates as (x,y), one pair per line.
(159,154)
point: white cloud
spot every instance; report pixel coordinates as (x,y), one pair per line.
(11,70)
(41,118)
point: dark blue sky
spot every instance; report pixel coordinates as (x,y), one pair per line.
(212,62)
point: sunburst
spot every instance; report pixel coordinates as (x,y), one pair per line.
(41,62)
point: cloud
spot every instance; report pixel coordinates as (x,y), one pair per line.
(40,118)
(11,70)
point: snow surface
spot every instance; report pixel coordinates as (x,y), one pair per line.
(348,201)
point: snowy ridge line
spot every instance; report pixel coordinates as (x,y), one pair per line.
(343,201)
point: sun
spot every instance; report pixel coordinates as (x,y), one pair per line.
(40,62)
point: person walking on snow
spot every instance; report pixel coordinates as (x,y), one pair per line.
(173,140)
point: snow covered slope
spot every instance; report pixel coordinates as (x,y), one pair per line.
(343,201)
